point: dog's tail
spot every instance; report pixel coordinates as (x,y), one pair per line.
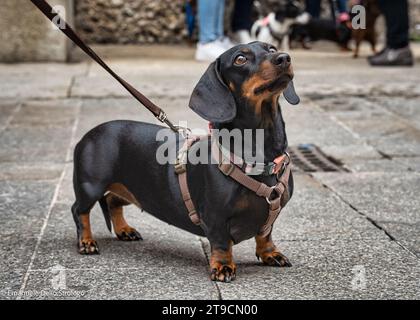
(106,213)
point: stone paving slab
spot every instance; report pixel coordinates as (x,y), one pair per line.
(37,131)
(97,111)
(10,171)
(23,205)
(396,194)
(7,108)
(406,234)
(412,163)
(129,284)
(307,121)
(38,80)
(154,79)
(332,74)
(315,213)
(389,133)
(377,165)
(406,108)
(327,270)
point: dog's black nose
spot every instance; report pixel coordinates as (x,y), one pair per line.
(283,60)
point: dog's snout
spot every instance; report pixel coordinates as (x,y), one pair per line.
(283,60)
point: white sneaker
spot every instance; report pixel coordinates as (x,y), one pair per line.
(242,36)
(226,43)
(209,51)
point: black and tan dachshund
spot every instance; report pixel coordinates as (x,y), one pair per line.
(115,163)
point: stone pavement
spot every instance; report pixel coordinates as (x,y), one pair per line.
(348,235)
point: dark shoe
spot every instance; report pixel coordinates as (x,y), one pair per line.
(377,54)
(393,57)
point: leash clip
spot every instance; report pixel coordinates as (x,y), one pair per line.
(184,131)
(162,116)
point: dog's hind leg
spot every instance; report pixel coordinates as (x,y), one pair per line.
(372,41)
(122,230)
(269,254)
(356,50)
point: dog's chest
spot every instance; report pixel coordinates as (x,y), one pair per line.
(249,214)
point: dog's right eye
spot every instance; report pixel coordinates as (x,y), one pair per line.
(240,60)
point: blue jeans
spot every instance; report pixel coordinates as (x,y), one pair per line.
(210,16)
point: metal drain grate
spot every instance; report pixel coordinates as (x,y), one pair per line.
(309,158)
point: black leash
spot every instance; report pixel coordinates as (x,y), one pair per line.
(50,13)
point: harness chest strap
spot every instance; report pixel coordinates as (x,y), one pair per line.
(231,170)
(181,171)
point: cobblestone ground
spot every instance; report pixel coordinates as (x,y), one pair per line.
(349,235)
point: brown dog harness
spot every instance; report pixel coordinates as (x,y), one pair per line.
(276,196)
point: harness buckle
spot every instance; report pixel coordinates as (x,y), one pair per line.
(180,165)
(226,168)
(283,167)
(180,168)
(269,169)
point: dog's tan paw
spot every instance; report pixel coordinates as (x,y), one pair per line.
(222,267)
(129,234)
(88,246)
(274,258)
(222,272)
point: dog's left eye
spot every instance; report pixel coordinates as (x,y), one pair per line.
(240,60)
(272,50)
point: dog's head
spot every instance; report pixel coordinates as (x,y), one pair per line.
(290,9)
(251,75)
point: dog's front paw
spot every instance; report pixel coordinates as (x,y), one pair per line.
(274,258)
(223,273)
(222,267)
(88,246)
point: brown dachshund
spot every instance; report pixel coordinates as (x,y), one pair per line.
(369,34)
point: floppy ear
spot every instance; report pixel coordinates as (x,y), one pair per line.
(211,98)
(290,94)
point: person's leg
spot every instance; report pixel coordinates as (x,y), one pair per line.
(342,6)
(208,11)
(210,16)
(241,21)
(397,25)
(397,51)
(241,18)
(313,7)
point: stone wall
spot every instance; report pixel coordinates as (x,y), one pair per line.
(146,21)
(26,35)
(131,21)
